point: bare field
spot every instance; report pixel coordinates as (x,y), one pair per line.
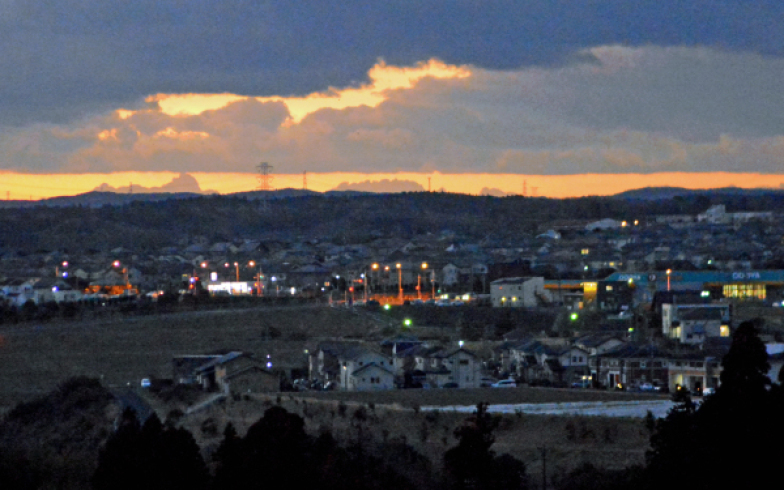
(119,350)
(569,441)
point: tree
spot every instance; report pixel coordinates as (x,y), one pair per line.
(471,464)
(746,365)
(150,457)
(733,438)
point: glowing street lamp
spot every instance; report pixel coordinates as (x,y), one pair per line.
(669,271)
(237,270)
(400,281)
(124,271)
(368,291)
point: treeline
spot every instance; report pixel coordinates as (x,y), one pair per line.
(143,226)
(276,452)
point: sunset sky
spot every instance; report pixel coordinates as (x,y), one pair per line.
(483,97)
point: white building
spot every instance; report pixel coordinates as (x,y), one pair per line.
(363,369)
(514,292)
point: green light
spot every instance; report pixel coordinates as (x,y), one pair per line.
(386,306)
(407,322)
(573,316)
(631,330)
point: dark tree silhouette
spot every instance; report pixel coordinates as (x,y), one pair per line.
(472,464)
(733,439)
(149,457)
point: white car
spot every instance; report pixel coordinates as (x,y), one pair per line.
(504,383)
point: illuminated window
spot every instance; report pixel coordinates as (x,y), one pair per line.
(724,331)
(609,288)
(745,291)
(585,251)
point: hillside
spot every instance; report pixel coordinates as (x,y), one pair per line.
(355,218)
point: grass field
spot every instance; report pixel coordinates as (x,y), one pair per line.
(569,440)
(37,357)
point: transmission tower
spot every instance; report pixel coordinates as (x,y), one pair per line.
(264,177)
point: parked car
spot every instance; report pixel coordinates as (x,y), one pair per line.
(487,382)
(504,383)
(647,387)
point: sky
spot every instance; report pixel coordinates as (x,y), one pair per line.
(545,98)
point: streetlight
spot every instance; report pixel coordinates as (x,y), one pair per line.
(419,280)
(124,271)
(237,270)
(374,267)
(399,281)
(57,269)
(668,278)
(386,283)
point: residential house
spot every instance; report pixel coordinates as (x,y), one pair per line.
(249,374)
(363,369)
(693,371)
(693,323)
(514,292)
(235,371)
(630,365)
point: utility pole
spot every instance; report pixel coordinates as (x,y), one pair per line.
(428,184)
(525,187)
(305,180)
(543,451)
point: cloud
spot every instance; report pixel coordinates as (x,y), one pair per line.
(617,110)
(381,186)
(181,183)
(66,60)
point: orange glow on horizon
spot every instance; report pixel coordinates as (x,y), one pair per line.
(19,186)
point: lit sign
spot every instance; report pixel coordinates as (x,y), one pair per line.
(745,275)
(230,287)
